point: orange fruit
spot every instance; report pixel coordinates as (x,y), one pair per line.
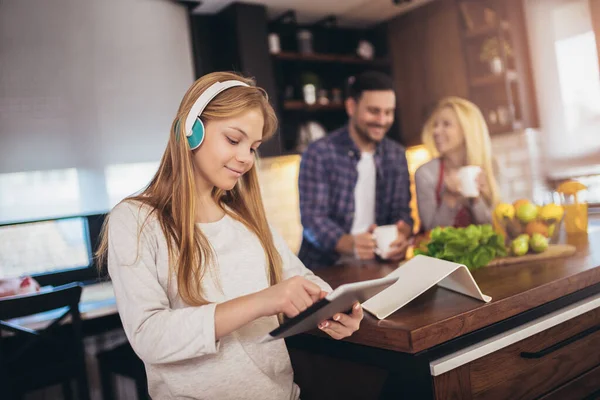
(536,227)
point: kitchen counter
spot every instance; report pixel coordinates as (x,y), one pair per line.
(440,315)
(444,344)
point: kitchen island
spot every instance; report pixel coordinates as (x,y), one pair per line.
(539,337)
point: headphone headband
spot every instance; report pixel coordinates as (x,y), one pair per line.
(203,101)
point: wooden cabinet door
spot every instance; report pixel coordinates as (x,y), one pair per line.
(427,63)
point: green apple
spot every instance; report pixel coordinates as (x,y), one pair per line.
(519,247)
(527,213)
(523,236)
(538,242)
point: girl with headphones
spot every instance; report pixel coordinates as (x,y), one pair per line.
(198,273)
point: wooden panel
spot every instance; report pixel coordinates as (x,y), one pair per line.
(520,42)
(323,377)
(444,53)
(427,63)
(455,384)
(440,315)
(406,43)
(506,374)
(580,387)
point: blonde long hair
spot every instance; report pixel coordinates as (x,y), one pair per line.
(477,137)
(171,194)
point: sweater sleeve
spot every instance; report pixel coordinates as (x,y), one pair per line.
(292,266)
(157,333)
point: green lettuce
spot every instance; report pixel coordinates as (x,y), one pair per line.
(474,246)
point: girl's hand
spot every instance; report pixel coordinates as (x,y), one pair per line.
(290,297)
(343,325)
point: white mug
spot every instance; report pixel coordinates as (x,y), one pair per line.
(468,180)
(384,237)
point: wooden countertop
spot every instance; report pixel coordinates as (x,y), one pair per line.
(440,315)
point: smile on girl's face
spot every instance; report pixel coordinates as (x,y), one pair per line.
(447,132)
(228,149)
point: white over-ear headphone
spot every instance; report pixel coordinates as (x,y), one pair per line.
(194,127)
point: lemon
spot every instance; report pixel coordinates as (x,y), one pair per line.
(570,187)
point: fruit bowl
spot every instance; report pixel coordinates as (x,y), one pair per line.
(524,220)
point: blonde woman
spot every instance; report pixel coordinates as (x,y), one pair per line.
(198,274)
(456,135)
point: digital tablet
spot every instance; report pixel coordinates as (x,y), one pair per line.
(340,300)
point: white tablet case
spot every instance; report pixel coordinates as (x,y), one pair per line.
(418,275)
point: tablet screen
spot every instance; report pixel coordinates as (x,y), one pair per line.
(340,300)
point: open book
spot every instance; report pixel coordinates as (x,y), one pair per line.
(415,277)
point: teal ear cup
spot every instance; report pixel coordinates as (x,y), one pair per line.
(197,136)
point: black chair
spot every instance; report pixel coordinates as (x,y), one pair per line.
(33,359)
(123,361)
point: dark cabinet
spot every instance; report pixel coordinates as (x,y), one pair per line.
(235,39)
(427,63)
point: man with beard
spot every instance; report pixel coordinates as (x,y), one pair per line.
(354,180)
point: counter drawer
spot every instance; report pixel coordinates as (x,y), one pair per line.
(579,388)
(540,363)
(533,366)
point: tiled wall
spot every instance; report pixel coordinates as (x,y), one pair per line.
(518,156)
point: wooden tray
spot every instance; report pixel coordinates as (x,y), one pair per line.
(553,251)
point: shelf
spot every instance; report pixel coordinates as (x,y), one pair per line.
(329,58)
(492,79)
(506,128)
(487,30)
(298,105)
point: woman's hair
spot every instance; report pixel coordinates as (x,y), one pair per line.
(477,137)
(171,194)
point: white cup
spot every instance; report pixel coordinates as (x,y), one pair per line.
(384,237)
(468,180)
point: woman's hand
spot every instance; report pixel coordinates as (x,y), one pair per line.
(452,185)
(484,187)
(452,182)
(343,325)
(290,297)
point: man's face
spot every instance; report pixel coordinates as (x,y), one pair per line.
(373,114)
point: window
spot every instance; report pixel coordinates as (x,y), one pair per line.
(39,194)
(123,180)
(565,68)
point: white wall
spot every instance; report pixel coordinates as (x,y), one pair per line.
(88,83)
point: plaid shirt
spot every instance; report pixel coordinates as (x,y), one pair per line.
(327,179)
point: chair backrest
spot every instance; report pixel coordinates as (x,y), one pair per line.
(63,297)
(34,303)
